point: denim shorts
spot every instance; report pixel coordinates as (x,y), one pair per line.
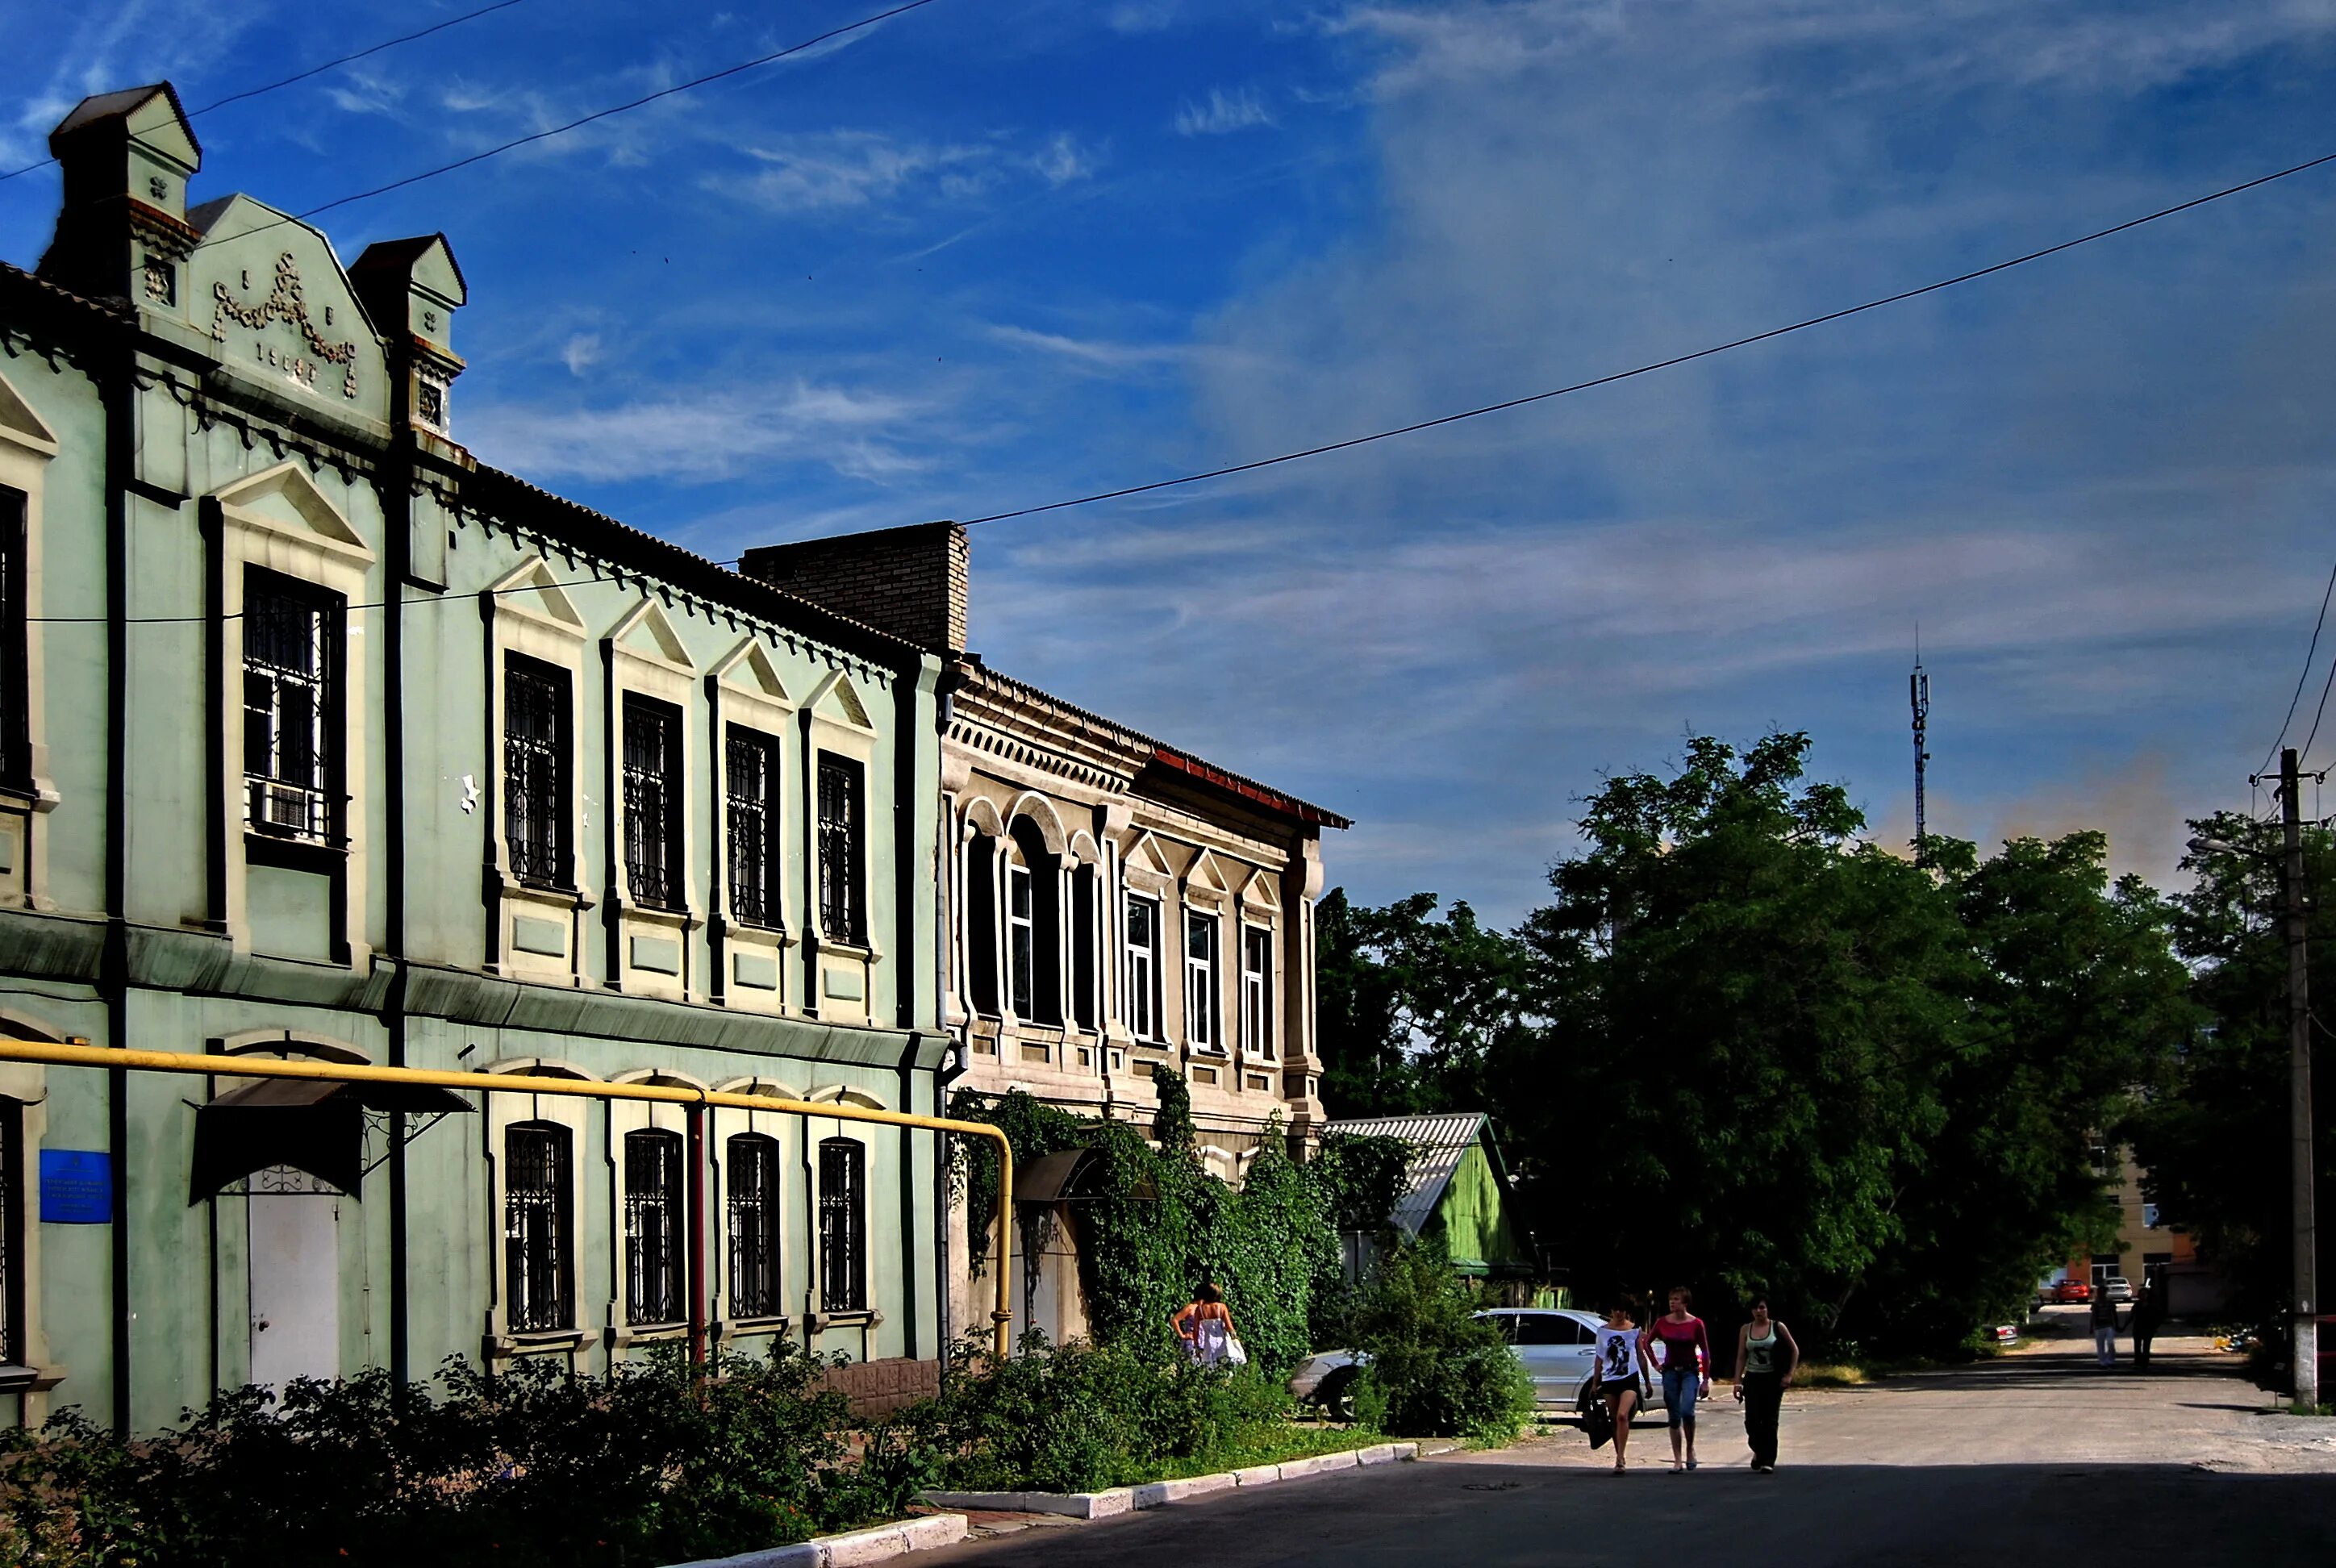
(1679,1392)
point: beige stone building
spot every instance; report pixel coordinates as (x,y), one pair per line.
(1113,904)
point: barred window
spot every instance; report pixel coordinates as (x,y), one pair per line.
(840,916)
(1143,967)
(754,1166)
(653,801)
(753,768)
(539,1261)
(535,771)
(842,1226)
(655,1289)
(1200,982)
(16,647)
(289,706)
(1256,991)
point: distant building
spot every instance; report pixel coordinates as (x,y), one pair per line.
(1455,1192)
(2148,1250)
(1114,903)
(320,739)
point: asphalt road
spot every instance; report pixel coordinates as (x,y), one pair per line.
(2037,1457)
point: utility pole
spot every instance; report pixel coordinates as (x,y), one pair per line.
(2299,1055)
(1918,691)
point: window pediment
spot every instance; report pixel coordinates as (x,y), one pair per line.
(284,499)
(647,632)
(529,589)
(21,426)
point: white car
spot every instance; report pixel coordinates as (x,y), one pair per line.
(1556,1346)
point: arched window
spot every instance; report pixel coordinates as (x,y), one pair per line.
(654,1287)
(842,1226)
(1033,923)
(1085,969)
(538,1259)
(981,924)
(753,1162)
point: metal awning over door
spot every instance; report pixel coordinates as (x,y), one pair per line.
(317,1125)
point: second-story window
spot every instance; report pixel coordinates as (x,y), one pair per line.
(840,916)
(1200,982)
(753,1167)
(16,647)
(1256,991)
(539,1262)
(290,706)
(1143,967)
(653,801)
(752,769)
(1021,942)
(653,1245)
(842,1226)
(535,771)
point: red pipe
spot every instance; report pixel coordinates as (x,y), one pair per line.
(697,1164)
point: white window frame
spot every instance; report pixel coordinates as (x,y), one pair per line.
(1021,936)
(1143,1000)
(1203,1022)
(1257,993)
(26,447)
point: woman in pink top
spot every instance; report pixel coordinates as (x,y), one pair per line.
(1687,1370)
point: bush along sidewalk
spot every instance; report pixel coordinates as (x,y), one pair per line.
(1430,1367)
(530,1466)
(1084,1417)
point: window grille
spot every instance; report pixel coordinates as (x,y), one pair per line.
(288,708)
(1021,942)
(16,647)
(535,771)
(753,769)
(652,802)
(843,1224)
(1201,980)
(839,849)
(654,1285)
(753,1167)
(538,1268)
(1143,967)
(1256,991)
(12,1235)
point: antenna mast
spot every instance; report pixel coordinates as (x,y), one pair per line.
(1918,692)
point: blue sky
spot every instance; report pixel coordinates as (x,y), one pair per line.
(1000,252)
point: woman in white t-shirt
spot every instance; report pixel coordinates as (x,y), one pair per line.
(1616,1374)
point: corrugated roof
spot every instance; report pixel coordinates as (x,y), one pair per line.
(1437,1144)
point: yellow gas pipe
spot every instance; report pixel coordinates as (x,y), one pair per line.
(239,1067)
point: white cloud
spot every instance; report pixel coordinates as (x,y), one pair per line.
(1097,354)
(1222,112)
(1065,158)
(580,353)
(843,169)
(701,439)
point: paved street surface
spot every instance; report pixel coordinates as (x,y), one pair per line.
(2038,1456)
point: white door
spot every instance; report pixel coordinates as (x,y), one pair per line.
(296,1288)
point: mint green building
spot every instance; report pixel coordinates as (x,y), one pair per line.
(320,739)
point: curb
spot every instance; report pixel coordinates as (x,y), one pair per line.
(1121,1500)
(853,1549)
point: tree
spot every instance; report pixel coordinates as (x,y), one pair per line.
(2214,1144)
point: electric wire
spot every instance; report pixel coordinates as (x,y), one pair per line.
(2317,713)
(2303,675)
(312,70)
(1652,365)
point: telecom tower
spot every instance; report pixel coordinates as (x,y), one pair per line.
(1918,692)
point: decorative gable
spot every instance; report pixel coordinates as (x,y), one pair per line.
(748,668)
(529,589)
(284,500)
(834,698)
(20,426)
(647,632)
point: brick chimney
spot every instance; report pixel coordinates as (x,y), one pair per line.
(908,581)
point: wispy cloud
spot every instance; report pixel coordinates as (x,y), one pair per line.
(1064,158)
(1222,112)
(702,439)
(1098,354)
(580,353)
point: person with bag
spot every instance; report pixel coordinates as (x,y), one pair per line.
(1686,1364)
(1761,1381)
(1206,1326)
(1616,1380)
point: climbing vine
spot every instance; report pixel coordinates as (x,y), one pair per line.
(1156,1223)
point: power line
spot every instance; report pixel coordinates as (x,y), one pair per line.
(2321,712)
(312,70)
(2303,675)
(812,43)
(1676,359)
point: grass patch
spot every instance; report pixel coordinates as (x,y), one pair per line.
(1830,1374)
(2289,1408)
(1264,1447)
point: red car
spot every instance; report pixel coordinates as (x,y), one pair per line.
(2068,1290)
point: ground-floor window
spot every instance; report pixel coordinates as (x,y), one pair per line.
(753,1167)
(842,1226)
(539,1257)
(654,1287)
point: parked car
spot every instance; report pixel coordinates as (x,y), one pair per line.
(2068,1290)
(1556,1346)
(2118,1288)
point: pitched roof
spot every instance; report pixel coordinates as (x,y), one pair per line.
(1438,1145)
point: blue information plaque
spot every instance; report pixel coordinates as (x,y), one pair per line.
(76,1187)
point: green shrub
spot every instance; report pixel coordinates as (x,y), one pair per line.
(1432,1368)
(1079,1416)
(528,1467)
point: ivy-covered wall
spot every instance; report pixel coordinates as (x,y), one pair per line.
(1272,1244)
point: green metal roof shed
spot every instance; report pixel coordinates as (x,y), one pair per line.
(1456,1189)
